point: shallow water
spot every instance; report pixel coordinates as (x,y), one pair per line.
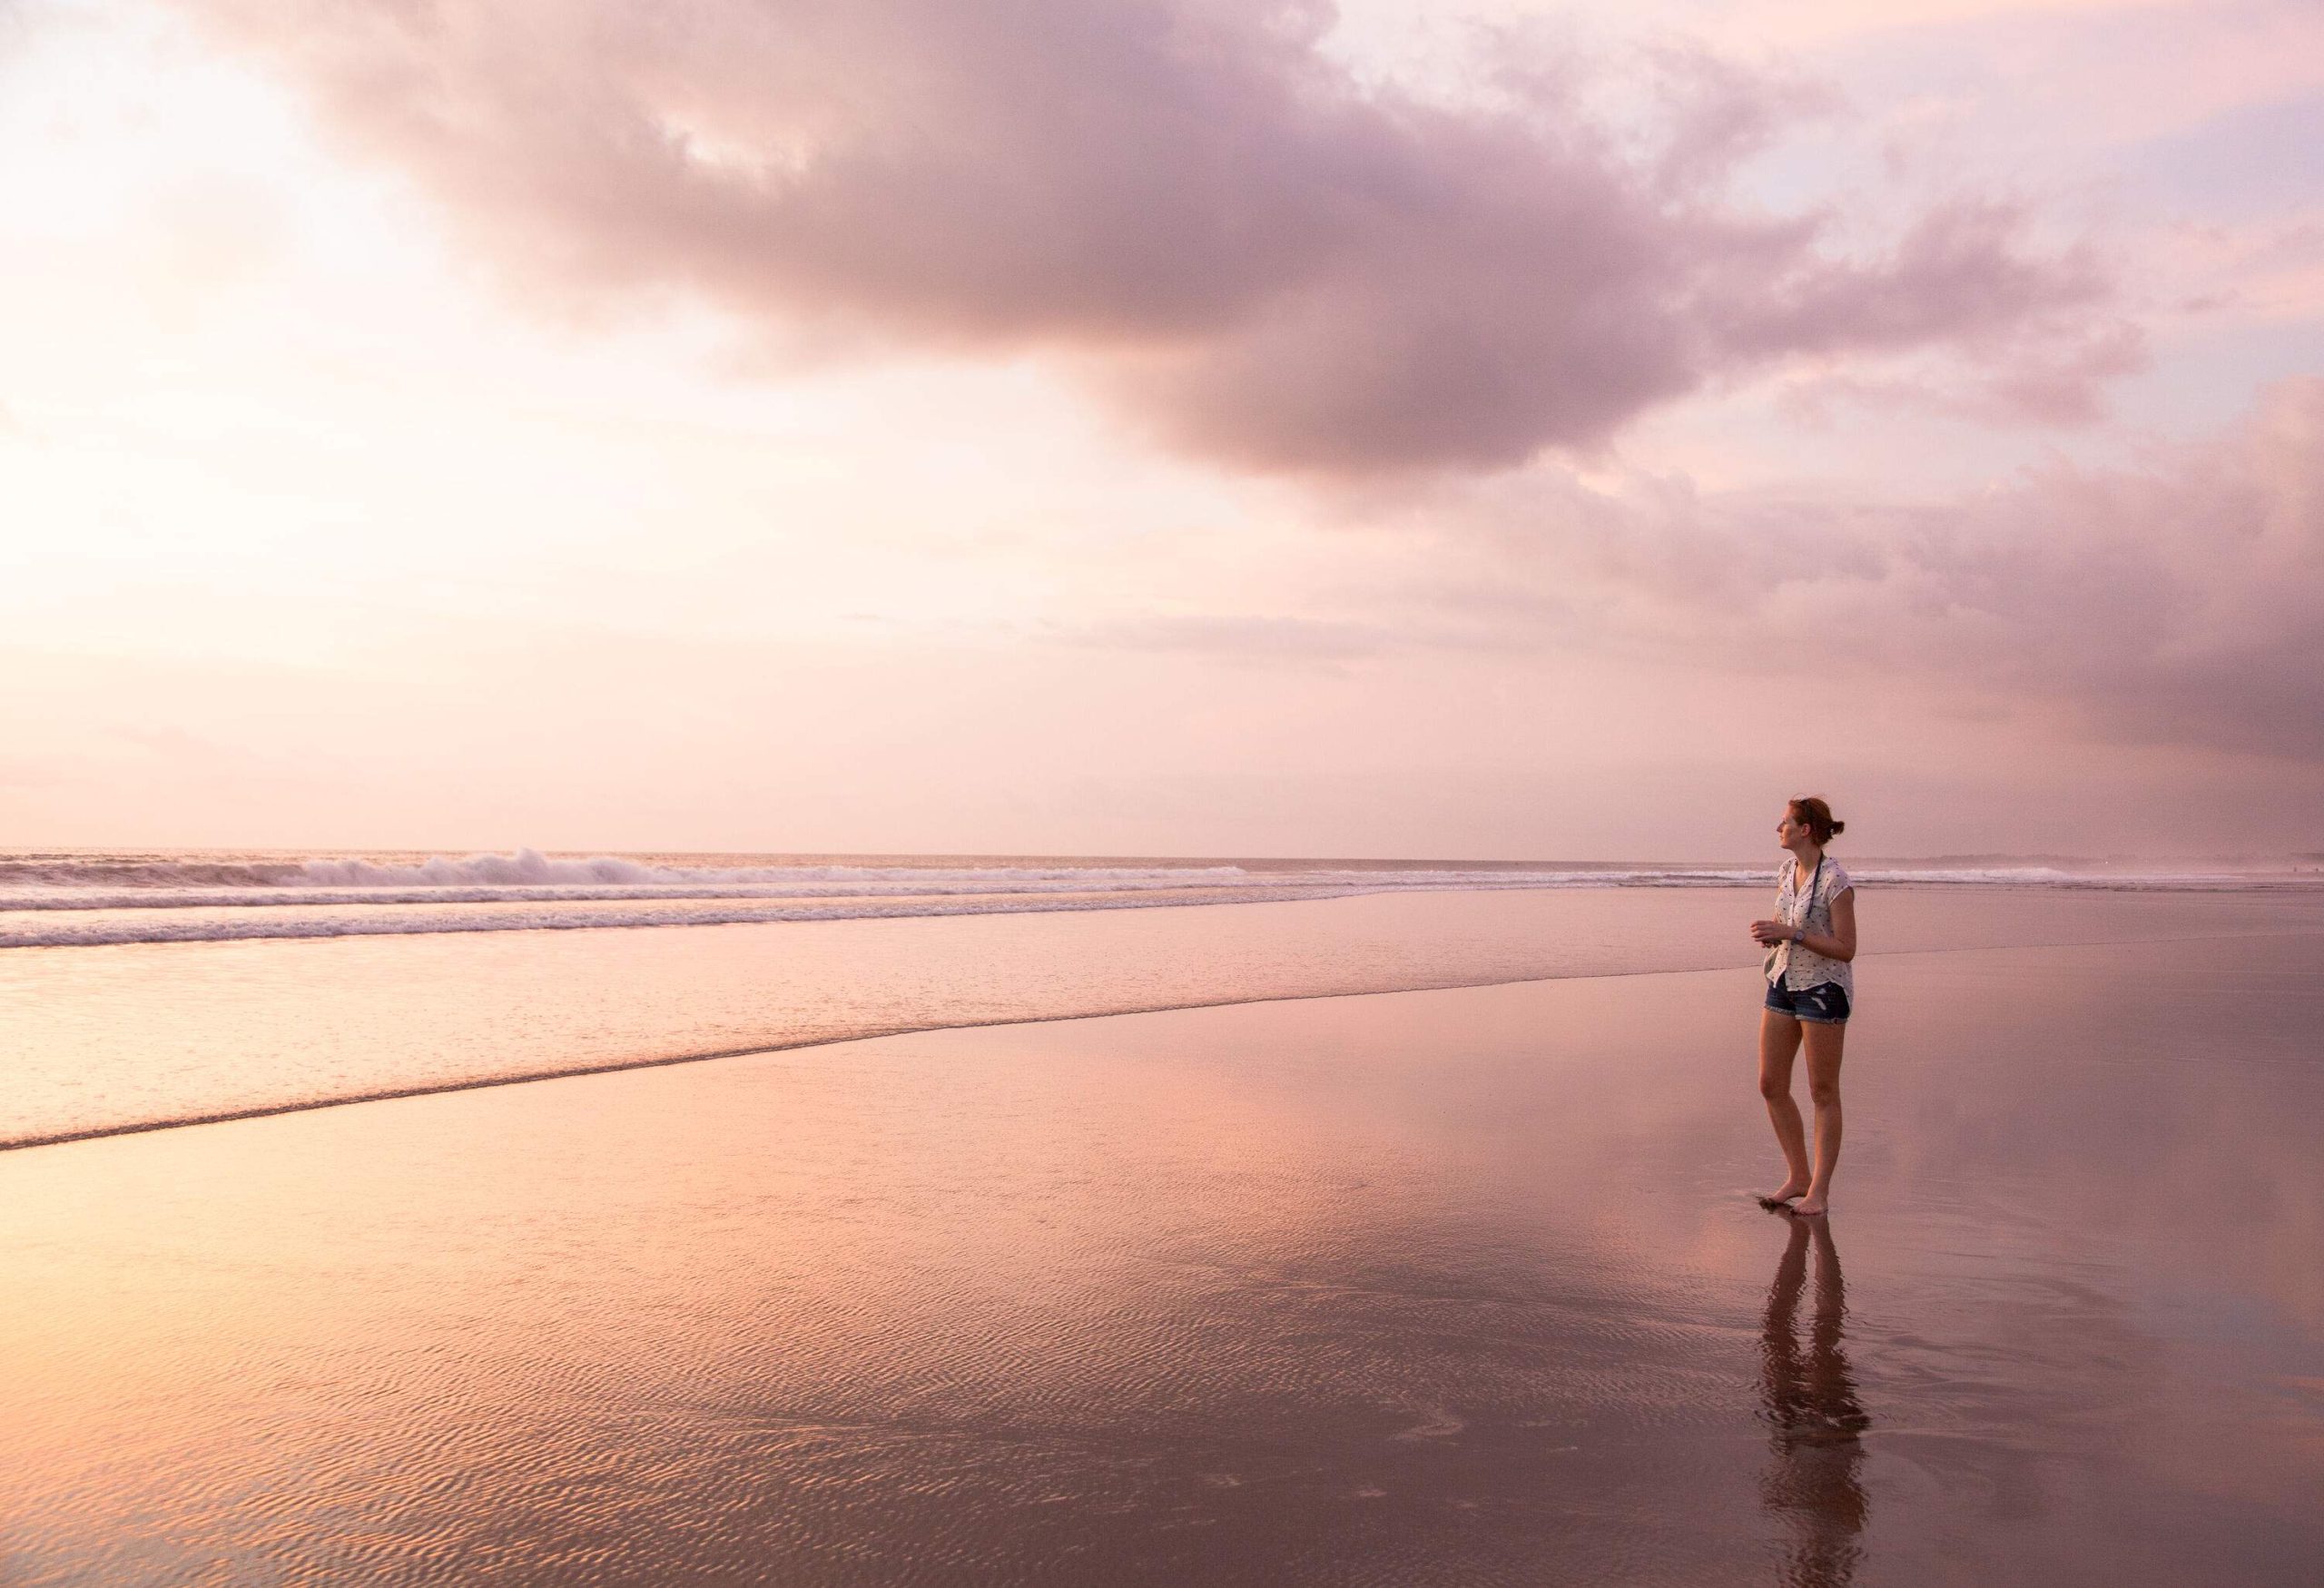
(1456,1287)
(131,1035)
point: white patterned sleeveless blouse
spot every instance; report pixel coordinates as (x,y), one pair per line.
(1797,965)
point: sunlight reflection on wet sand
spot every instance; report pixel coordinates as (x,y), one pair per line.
(1441,1287)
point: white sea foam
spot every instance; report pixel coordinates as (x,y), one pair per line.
(125,898)
(524,868)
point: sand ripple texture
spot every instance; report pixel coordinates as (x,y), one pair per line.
(141,1035)
(1450,1287)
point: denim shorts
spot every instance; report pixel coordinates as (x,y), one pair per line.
(1824,1004)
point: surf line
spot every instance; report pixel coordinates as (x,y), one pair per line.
(328,929)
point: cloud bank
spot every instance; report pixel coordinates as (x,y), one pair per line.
(1263,260)
(2178,602)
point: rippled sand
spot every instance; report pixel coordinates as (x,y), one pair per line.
(1443,1287)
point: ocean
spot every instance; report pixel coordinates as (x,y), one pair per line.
(87,898)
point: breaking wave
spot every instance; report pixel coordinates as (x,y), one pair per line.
(83,900)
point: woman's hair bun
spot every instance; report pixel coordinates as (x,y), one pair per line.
(1816,816)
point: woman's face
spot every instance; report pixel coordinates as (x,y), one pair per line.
(1791,832)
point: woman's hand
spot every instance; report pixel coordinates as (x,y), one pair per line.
(1768,932)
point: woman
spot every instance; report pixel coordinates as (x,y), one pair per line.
(1810,943)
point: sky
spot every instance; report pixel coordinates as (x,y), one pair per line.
(1469,429)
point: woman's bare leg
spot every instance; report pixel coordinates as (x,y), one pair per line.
(1778,1043)
(1824,1041)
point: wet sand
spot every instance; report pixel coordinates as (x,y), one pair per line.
(1443,1287)
(125,1037)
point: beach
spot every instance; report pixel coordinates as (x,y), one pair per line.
(1460,1284)
(902,794)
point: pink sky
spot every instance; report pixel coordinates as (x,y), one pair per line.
(1162,426)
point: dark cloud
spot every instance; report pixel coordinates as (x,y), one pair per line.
(1265,261)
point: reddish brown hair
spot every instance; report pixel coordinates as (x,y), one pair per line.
(1816,816)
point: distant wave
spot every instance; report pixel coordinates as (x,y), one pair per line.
(141,876)
(128,899)
(150,927)
(892,884)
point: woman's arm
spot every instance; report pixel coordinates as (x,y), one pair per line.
(1839,943)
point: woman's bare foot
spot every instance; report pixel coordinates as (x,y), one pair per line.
(1814,1204)
(1784,1193)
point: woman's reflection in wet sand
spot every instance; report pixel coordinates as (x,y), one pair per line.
(1813,1483)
